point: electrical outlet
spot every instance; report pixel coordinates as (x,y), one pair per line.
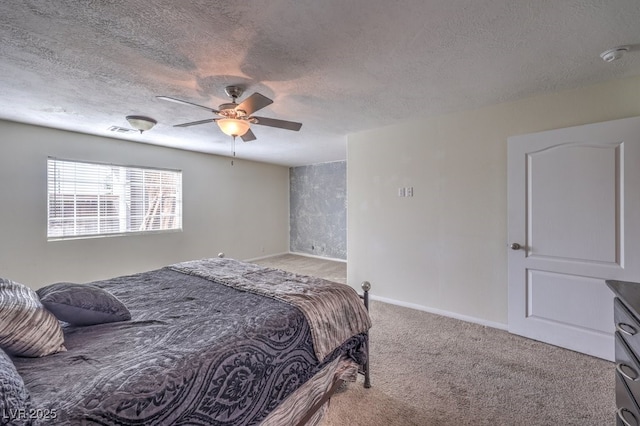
(409,191)
(401,192)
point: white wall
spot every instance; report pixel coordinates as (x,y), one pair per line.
(242,210)
(445,249)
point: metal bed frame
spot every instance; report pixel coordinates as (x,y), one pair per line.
(364,369)
(366,286)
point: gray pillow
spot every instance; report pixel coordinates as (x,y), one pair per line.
(15,400)
(82,304)
(26,327)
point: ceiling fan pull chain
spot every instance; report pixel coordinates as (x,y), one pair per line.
(233,148)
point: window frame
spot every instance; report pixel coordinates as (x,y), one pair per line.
(178,213)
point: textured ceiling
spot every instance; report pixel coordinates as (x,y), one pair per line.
(336,66)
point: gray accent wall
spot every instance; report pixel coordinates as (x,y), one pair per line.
(318,209)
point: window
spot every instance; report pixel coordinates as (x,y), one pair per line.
(90,199)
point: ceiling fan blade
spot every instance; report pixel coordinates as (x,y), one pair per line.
(180,101)
(281,124)
(254,103)
(249,136)
(194,123)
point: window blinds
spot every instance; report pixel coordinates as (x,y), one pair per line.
(91,199)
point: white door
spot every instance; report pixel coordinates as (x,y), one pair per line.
(574,221)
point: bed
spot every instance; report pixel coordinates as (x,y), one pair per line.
(207,342)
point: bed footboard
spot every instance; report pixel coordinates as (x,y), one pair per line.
(366,286)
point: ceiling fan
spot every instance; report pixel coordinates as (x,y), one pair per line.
(236,119)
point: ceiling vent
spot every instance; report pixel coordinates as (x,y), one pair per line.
(615,53)
(118,129)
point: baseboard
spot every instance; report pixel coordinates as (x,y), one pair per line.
(318,257)
(454,315)
(297,254)
(266,257)
(435,311)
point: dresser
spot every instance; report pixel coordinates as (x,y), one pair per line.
(627,340)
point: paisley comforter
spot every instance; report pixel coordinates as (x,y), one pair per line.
(194,353)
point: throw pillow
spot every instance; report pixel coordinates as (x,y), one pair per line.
(15,401)
(83,304)
(26,327)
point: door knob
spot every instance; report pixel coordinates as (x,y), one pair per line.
(515,246)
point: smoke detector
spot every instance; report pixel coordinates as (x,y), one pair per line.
(614,54)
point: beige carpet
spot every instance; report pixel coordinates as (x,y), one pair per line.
(432,370)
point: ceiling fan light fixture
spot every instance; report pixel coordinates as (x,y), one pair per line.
(233,127)
(140,122)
